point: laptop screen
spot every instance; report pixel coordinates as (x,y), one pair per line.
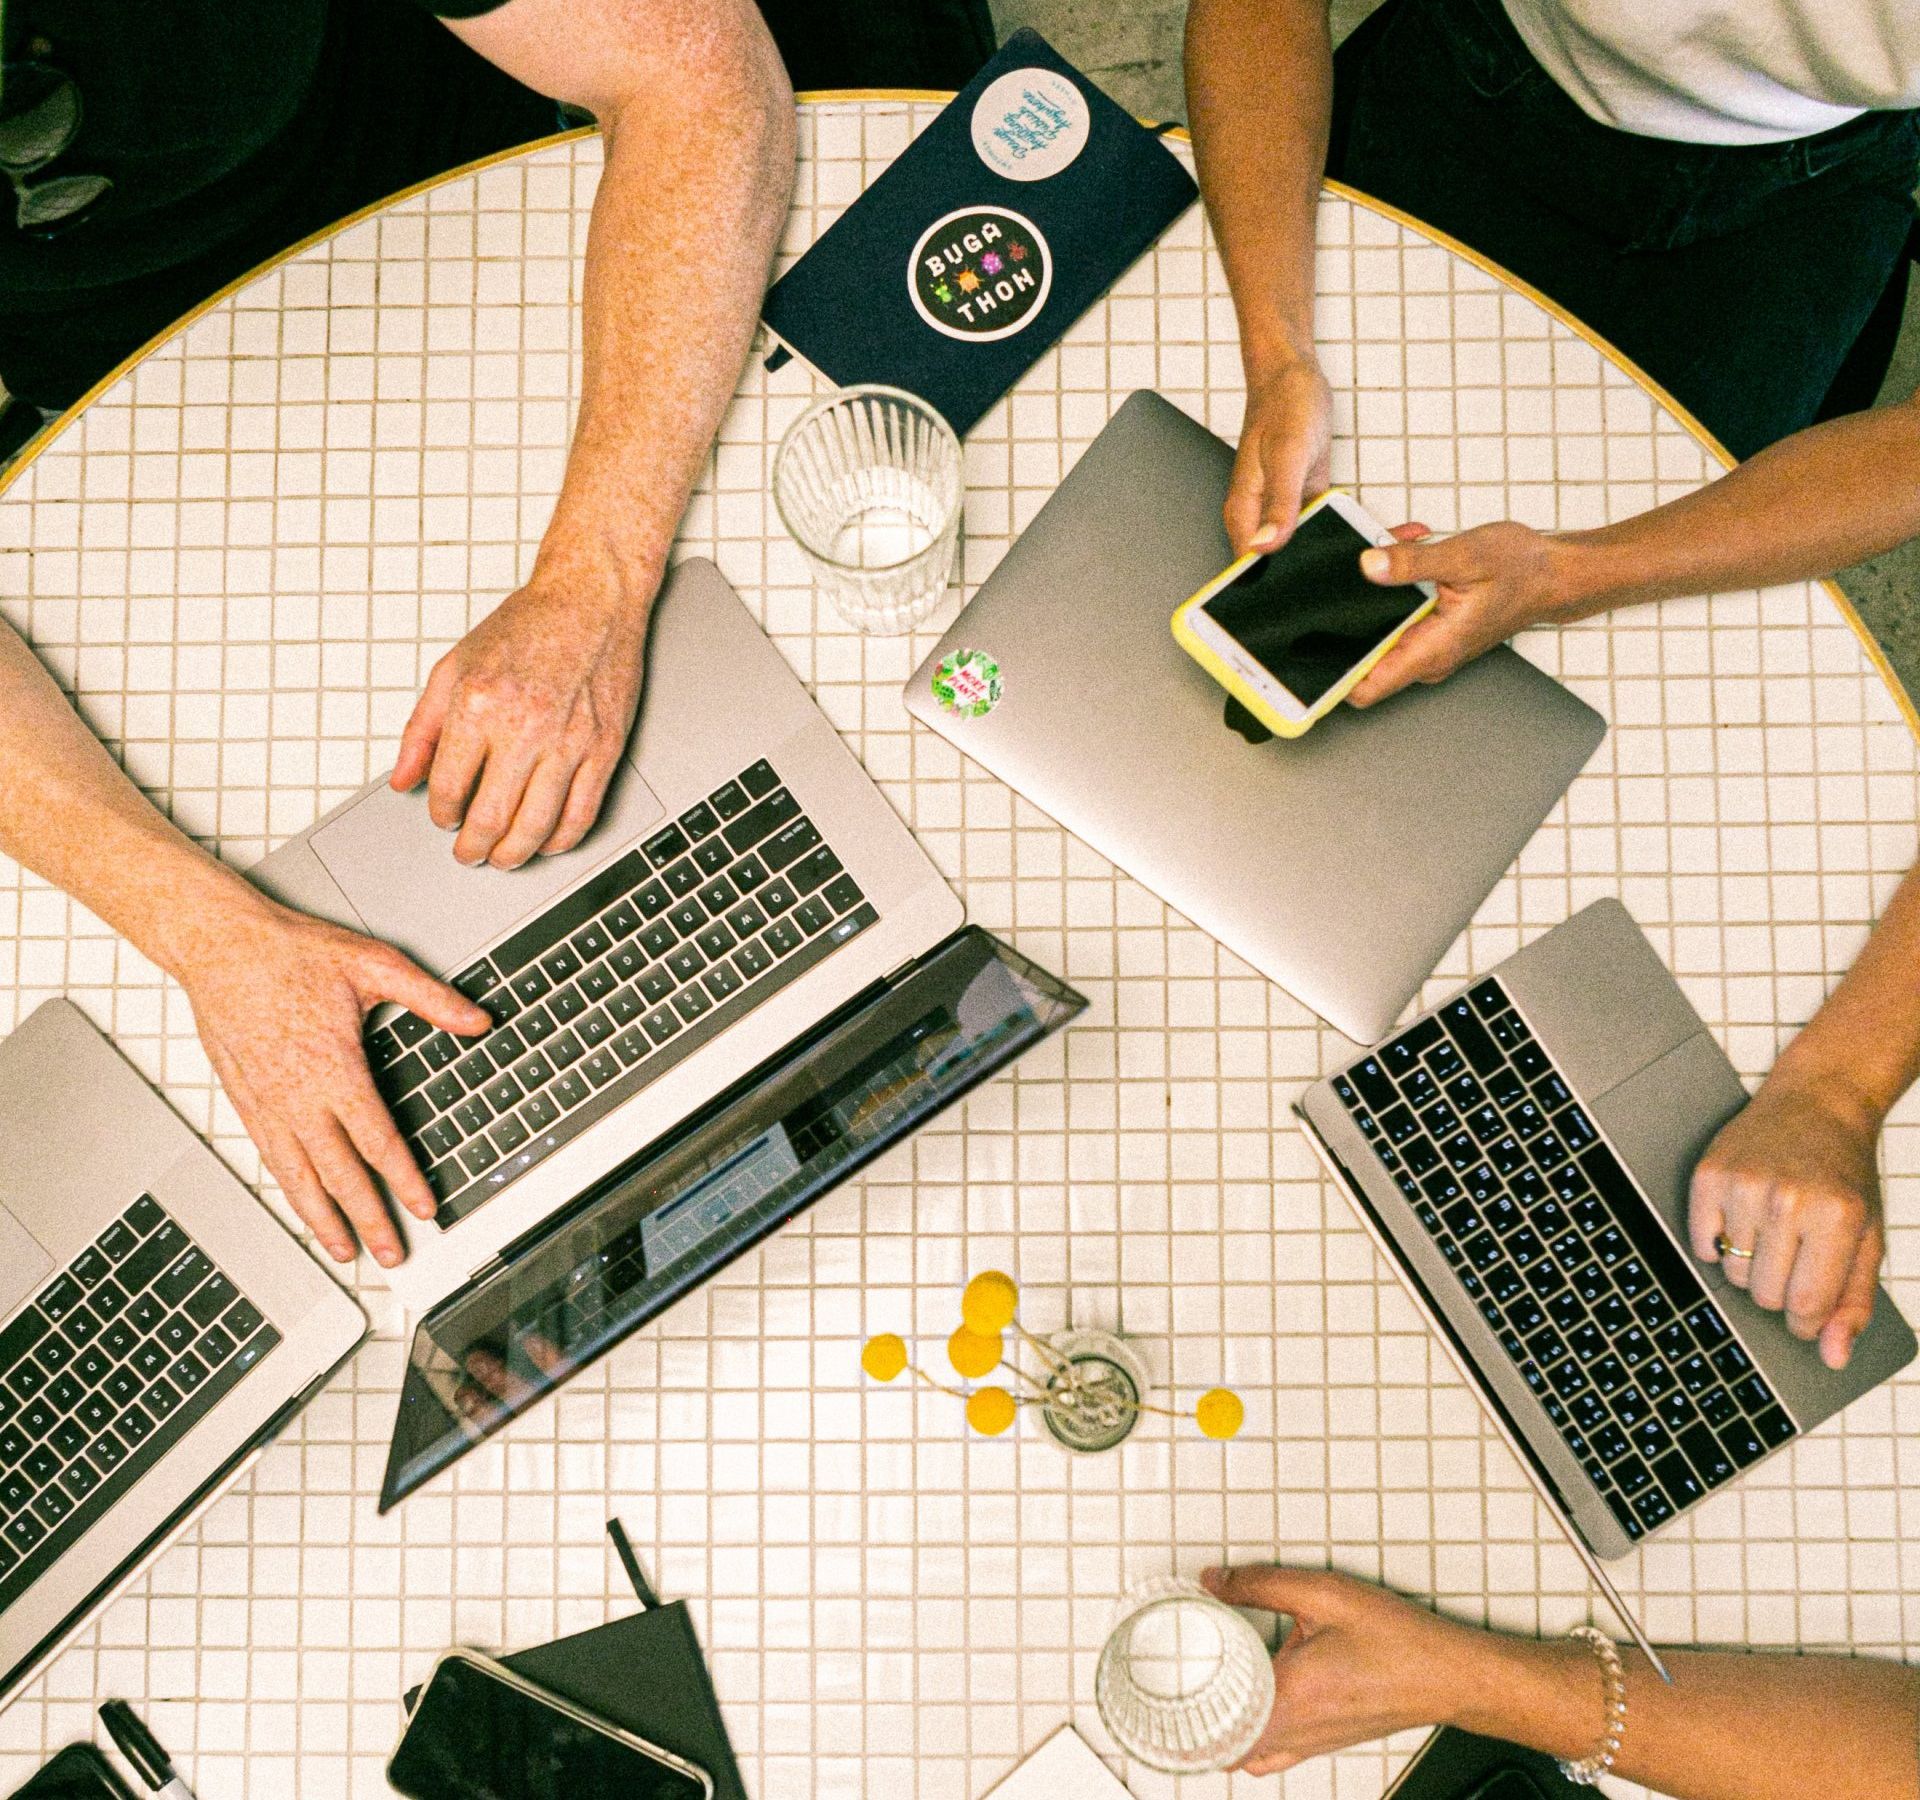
(671,1216)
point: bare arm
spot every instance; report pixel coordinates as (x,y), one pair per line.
(279,998)
(1793,1177)
(1361,1663)
(1259,86)
(522,723)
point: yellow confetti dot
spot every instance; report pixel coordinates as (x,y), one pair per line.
(1220,1413)
(884,1357)
(987,1305)
(990,1411)
(973,1355)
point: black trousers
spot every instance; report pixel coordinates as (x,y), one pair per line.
(434,105)
(1738,277)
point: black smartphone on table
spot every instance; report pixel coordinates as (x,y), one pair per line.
(481,1732)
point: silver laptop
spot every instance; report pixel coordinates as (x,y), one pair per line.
(1341,864)
(159,1328)
(748,979)
(1522,1154)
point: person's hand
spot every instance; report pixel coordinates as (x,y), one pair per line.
(1284,456)
(1359,1664)
(1792,1177)
(280,1000)
(524,720)
(1492,581)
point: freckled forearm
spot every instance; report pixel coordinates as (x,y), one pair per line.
(683,231)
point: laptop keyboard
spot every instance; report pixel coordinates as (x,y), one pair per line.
(1604,1317)
(614,984)
(104,1373)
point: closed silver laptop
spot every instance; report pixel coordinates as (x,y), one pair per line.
(1523,1154)
(157,1327)
(1341,864)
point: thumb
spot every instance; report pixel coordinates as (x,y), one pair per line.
(391,976)
(1395,565)
(1266,1587)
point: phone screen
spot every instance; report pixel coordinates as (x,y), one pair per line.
(476,1737)
(1306,614)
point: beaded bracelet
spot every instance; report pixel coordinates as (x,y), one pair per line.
(1588,1770)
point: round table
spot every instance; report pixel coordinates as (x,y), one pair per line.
(244,554)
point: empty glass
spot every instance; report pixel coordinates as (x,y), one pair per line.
(868,482)
(1184,1684)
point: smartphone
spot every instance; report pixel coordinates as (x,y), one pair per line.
(79,1772)
(480,1732)
(1291,633)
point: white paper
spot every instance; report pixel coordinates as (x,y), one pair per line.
(1063,1768)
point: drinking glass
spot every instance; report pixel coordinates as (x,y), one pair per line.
(1185,1683)
(868,483)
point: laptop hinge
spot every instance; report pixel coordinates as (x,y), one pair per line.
(487,1270)
(896,975)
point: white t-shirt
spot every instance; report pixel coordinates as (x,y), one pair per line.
(1726,71)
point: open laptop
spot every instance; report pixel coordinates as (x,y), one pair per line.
(748,914)
(1522,1155)
(159,1328)
(1341,864)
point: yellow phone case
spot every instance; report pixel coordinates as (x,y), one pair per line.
(1231,679)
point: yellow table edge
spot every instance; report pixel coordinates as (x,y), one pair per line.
(832,96)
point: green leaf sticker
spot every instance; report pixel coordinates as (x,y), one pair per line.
(967,684)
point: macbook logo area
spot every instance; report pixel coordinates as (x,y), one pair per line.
(980,274)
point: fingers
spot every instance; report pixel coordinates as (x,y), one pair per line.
(490,814)
(1707,1212)
(584,795)
(1395,565)
(351,1187)
(307,1194)
(539,816)
(388,975)
(1246,510)
(422,734)
(1775,1251)
(1270,1588)
(1427,651)
(376,1138)
(1855,1309)
(457,761)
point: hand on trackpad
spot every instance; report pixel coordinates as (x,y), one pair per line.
(396,867)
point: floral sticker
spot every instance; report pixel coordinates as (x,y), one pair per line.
(967,684)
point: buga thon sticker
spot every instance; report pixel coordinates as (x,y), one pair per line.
(980,273)
(1030,124)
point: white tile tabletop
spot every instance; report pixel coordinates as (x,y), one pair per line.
(244,555)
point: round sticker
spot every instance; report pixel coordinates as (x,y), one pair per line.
(967,684)
(1030,124)
(980,273)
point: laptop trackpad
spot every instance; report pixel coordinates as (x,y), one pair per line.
(23,1263)
(396,867)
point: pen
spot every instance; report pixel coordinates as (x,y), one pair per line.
(140,1747)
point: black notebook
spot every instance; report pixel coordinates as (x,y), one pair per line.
(994,230)
(1456,1765)
(645,1674)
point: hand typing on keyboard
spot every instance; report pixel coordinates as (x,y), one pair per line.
(523,721)
(1792,1178)
(280,1001)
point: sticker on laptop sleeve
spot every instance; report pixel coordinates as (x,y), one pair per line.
(967,684)
(1030,124)
(980,273)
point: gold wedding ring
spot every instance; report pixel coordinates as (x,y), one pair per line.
(1726,1249)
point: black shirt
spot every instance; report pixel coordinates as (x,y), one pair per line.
(230,128)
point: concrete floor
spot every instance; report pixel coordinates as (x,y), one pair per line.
(1133,51)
